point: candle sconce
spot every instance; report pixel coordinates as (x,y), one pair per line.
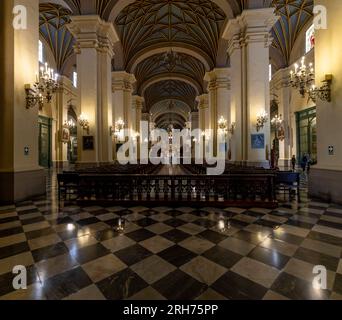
(84,123)
(323,92)
(45,86)
(261,121)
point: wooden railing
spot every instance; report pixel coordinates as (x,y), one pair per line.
(242,190)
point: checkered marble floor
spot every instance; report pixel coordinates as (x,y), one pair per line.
(168,253)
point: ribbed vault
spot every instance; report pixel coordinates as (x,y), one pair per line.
(170,64)
(294,15)
(144,23)
(52,25)
(170,89)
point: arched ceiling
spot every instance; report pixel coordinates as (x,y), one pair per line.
(294,15)
(52,26)
(166,119)
(170,89)
(158,25)
(170,64)
(169,106)
(144,23)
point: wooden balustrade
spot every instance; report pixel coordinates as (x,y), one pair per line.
(243,190)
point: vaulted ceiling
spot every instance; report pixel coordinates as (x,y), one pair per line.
(294,15)
(53,19)
(148,25)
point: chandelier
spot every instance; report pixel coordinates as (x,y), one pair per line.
(302,77)
(223,125)
(43,89)
(261,120)
(117,128)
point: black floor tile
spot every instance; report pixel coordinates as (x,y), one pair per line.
(179,286)
(106,235)
(177,255)
(212,236)
(49,252)
(299,224)
(133,254)
(250,237)
(6,280)
(32,221)
(222,256)
(65,284)
(317,258)
(235,287)
(13,250)
(121,285)
(325,238)
(270,257)
(140,235)
(11,232)
(86,254)
(39,233)
(175,223)
(330,224)
(88,221)
(297,289)
(146,222)
(176,235)
(206,223)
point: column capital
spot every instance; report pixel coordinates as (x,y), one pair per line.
(218,78)
(280,79)
(138,102)
(253,25)
(90,31)
(122,80)
(203,101)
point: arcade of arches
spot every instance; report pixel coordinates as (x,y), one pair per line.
(214,65)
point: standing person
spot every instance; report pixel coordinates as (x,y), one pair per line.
(308,166)
(293,162)
(304,162)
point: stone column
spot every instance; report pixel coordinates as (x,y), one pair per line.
(64,94)
(94,48)
(249,40)
(122,89)
(325,178)
(20,174)
(138,103)
(280,85)
(122,85)
(202,107)
(218,99)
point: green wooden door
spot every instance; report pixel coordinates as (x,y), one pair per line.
(44,142)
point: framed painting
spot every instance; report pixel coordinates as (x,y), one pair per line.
(65,135)
(258,141)
(88,143)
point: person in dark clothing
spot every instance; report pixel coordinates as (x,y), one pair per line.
(304,162)
(293,162)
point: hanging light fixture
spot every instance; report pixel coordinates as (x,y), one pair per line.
(45,86)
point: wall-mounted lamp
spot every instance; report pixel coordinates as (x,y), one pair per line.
(232,128)
(277,122)
(323,92)
(116,129)
(43,89)
(84,123)
(302,77)
(261,120)
(69,124)
(223,125)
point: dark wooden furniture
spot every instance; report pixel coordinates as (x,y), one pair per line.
(288,181)
(235,189)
